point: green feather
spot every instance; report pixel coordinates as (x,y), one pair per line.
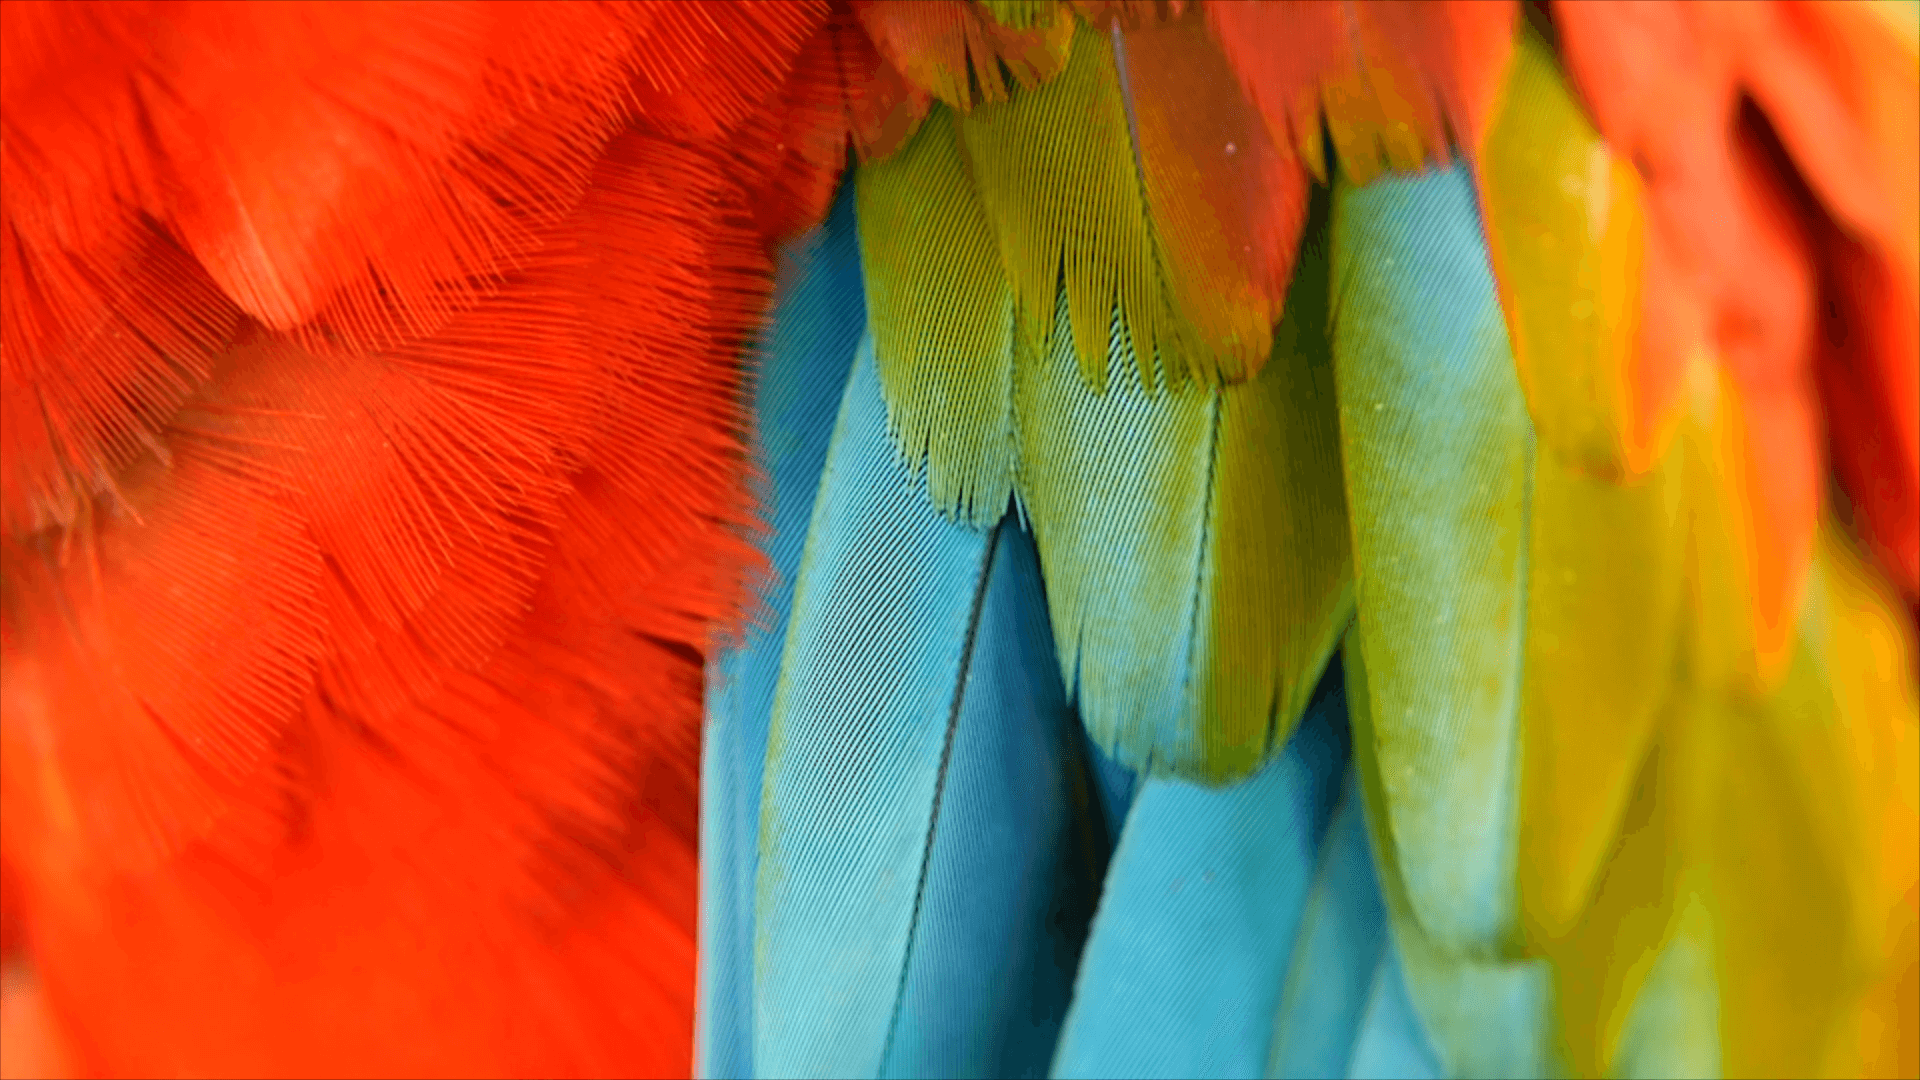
(1192,535)
(942,316)
(1022,14)
(1056,170)
(1438,453)
(1193,541)
(1522,619)
(1487,1016)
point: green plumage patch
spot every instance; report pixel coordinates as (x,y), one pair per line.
(942,316)
(1193,534)
(1194,543)
(1022,14)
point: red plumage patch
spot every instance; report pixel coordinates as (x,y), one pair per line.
(1777,143)
(377,481)
(1394,80)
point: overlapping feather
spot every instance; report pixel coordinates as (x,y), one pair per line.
(921,745)
(373,479)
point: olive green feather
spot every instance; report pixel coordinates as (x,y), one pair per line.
(941,311)
(1192,534)
(1056,169)
(1193,541)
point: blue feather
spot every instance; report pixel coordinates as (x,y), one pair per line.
(818,316)
(1391,1042)
(1184,966)
(1438,450)
(1338,956)
(931,844)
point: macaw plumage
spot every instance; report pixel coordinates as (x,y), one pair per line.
(946,538)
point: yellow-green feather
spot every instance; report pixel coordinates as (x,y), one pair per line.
(941,311)
(1022,14)
(1056,171)
(1193,542)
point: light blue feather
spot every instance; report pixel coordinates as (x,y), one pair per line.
(1338,956)
(818,315)
(1438,450)
(931,842)
(1184,967)
(1391,1042)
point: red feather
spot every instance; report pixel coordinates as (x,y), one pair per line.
(1394,79)
(1775,139)
(377,483)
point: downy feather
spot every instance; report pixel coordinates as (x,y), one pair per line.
(379,685)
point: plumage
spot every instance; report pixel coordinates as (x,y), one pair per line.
(350,621)
(963,55)
(1748,149)
(1438,453)
(806,352)
(964,804)
(1203,904)
(996,413)
(1566,230)
(1486,1013)
(1186,657)
(1393,82)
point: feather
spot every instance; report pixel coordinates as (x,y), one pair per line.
(945,367)
(147,202)
(1391,1041)
(922,746)
(1438,452)
(1337,958)
(1673,1027)
(1840,88)
(1573,656)
(1751,128)
(1393,80)
(947,49)
(1189,648)
(1486,1015)
(1055,171)
(1202,906)
(805,355)
(1189,492)
(1226,204)
(381,685)
(1565,226)
(840,91)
